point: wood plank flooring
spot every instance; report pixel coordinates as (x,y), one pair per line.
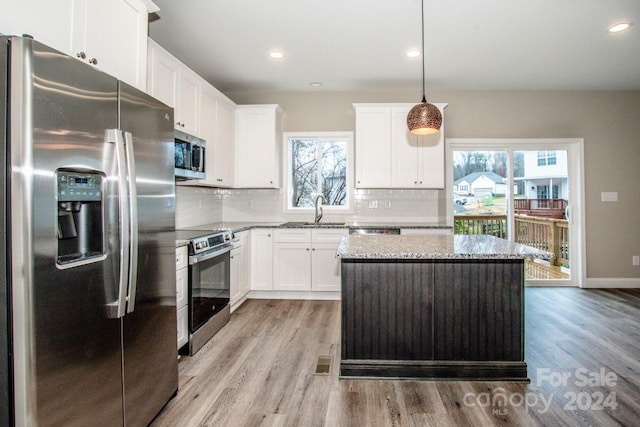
(259,371)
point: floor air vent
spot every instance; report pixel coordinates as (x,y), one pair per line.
(324,365)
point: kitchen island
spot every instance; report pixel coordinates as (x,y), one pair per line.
(436,307)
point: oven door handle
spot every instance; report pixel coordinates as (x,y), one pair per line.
(194,259)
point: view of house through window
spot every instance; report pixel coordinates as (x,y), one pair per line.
(317,166)
(540,181)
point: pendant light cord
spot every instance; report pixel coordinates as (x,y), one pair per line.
(424,55)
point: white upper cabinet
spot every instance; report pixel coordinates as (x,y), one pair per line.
(109,34)
(257,146)
(373,148)
(389,156)
(216,128)
(176,85)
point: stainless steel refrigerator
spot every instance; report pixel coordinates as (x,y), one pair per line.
(87,302)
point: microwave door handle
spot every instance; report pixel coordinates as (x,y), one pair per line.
(201,166)
(116,309)
(133,222)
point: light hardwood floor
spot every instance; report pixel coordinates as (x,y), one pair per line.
(259,371)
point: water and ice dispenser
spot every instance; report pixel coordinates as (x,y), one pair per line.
(80,217)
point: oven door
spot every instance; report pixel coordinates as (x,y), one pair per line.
(208,285)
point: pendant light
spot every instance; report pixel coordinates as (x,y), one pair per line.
(424,118)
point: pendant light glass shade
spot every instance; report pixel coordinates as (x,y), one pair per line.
(424,118)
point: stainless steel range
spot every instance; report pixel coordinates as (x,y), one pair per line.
(209,282)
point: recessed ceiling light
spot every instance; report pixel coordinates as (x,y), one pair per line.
(620,26)
(315,84)
(413,53)
(276,54)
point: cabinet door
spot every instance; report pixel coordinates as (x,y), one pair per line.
(225,144)
(373,148)
(216,128)
(188,102)
(404,151)
(325,267)
(50,22)
(162,82)
(432,160)
(183,326)
(235,287)
(208,111)
(245,241)
(182,289)
(291,266)
(261,260)
(257,158)
(116,39)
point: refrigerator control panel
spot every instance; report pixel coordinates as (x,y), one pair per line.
(79,187)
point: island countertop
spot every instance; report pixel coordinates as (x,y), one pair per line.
(435,247)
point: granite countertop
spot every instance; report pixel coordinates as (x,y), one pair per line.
(237,227)
(434,247)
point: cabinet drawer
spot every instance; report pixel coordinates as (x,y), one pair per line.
(182,280)
(286,235)
(183,332)
(181,257)
(330,235)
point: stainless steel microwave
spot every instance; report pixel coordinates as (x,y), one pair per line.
(189,156)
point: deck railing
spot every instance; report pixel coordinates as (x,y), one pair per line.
(547,234)
(553,208)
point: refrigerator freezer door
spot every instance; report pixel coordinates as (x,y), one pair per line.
(150,331)
(68,351)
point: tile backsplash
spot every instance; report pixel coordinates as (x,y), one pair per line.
(199,205)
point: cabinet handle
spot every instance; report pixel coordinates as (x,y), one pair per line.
(307,249)
(415,182)
(420,182)
(93,61)
(219,179)
(270,182)
(313,249)
(178,123)
(268,235)
(81,55)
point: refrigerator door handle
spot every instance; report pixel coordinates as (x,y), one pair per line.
(133,222)
(117,308)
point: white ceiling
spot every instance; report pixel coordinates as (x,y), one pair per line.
(360,45)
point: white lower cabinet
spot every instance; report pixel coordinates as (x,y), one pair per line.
(305,260)
(235,286)
(261,259)
(182,290)
(291,266)
(325,271)
(240,255)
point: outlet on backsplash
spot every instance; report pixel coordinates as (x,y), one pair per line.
(373,204)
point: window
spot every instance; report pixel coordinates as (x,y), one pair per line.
(542,192)
(318,165)
(546,158)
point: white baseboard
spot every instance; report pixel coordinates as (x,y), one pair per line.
(611,283)
(307,295)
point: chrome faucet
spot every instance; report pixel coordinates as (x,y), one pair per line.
(319,208)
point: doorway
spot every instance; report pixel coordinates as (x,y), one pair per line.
(524,190)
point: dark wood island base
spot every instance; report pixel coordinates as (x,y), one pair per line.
(453,319)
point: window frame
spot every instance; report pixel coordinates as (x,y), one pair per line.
(287,162)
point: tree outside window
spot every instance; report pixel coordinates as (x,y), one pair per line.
(318,165)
